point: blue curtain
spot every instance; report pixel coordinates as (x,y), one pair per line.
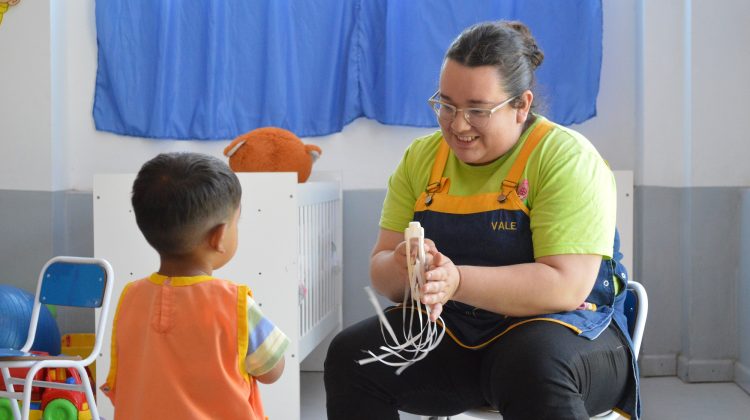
(183,69)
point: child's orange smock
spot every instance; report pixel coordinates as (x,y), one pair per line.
(178,350)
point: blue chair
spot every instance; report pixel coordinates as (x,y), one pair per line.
(636,311)
(64,281)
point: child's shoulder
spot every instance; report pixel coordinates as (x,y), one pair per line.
(230,284)
(227,282)
(206,281)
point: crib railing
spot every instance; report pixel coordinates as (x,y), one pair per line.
(319,212)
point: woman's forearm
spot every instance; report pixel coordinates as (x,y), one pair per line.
(388,277)
(560,284)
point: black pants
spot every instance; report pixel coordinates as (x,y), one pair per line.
(539,370)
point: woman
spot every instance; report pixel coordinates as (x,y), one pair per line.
(521,217)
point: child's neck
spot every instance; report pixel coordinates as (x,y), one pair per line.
(184,266)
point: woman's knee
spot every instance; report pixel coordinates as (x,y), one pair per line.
(351,339)
(339,366)
(339,351)
(337,347)
(346,347)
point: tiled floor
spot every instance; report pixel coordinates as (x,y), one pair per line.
(665,398)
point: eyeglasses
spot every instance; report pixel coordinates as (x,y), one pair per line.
(476,117)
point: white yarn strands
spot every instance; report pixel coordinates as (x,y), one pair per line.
(413,347)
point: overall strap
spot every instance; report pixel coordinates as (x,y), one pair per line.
(441,158)
(437,182)
(535,137)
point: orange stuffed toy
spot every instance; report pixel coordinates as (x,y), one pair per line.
(272,149)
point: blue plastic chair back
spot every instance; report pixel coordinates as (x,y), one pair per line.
(71,284)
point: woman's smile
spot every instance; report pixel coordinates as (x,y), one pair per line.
(465,139)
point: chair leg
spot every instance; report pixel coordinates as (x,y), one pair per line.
(9,387)
(27,387)
(89,393)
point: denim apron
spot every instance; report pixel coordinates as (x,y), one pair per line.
(493,229)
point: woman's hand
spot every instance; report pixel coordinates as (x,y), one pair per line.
(388,264)
(441,280)
(399,256)
(399,260)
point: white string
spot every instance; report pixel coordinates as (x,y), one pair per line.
(414,346)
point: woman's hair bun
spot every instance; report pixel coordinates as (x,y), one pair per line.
(531,49)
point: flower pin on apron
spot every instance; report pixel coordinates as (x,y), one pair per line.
(523,189)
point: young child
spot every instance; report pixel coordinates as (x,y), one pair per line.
(186,345)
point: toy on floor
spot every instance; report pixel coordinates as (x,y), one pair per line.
(15,314)
(272,149)
(81,345)
(50,403)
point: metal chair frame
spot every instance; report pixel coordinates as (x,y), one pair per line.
(63,281)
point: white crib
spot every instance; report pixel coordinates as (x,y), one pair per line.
(289,254)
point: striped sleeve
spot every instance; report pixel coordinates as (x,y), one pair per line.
(266,342)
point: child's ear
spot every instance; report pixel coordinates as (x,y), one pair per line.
(216,237)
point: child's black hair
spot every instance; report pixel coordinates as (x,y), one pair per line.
(179,197)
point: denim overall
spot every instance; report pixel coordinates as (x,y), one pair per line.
(493,229)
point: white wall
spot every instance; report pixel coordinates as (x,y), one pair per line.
(661,142)
(25,97)
(365,152)
(694,94)
(720,91)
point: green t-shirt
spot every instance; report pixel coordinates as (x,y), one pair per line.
(571,197)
